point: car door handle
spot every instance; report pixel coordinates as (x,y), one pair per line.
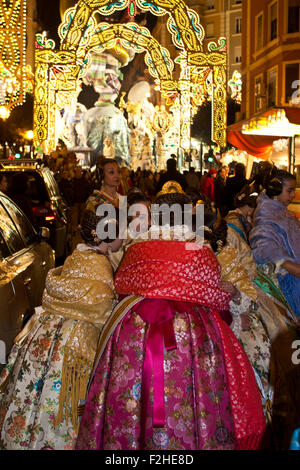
(27,281)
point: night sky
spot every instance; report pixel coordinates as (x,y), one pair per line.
(49,17)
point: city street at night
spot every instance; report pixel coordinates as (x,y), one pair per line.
(150,228)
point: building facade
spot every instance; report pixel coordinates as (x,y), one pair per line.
(220,18)
(270,55)
(223,18)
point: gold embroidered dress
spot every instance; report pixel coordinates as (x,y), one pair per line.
(51,362)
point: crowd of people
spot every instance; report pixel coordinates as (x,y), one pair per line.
(172,338)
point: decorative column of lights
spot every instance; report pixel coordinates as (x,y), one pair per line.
(80,33)
(12,54)
(185,107)
(55,83)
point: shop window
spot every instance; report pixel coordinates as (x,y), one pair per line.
(291,77)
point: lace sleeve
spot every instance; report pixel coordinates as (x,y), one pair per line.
(238,309)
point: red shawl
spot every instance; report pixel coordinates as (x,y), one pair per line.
(174,270)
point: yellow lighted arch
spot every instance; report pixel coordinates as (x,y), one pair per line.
(177,9)
(80,33)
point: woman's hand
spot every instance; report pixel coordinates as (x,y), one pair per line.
(292,268)
(229,287)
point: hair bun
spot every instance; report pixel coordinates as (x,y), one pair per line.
(274,187)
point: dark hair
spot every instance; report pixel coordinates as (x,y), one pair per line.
(133,193)
(173,198)
(266,171)
(101,165)
(137,197)
(275,184)
(245,198)
(216,236)
(170,199)
(89,222)
(193,194)
(240,170)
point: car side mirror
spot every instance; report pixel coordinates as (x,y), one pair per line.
(44,233)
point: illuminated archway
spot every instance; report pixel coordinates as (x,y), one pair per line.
(58,71)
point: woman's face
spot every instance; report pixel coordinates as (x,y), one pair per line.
(112,177)
(141,219)
(288,192)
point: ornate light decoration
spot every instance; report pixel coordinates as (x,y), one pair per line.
(161,120)
(235,84)
(80,34)
(12,53)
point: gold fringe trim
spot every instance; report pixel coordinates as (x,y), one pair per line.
(75,376)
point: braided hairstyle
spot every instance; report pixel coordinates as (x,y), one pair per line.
(170,199)
(89,232)
(216,235)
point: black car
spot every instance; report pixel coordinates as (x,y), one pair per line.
(48,207)
(25,259)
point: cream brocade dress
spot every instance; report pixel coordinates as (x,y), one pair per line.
(51,362)
(238,267)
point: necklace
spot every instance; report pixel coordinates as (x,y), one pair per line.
(115,200)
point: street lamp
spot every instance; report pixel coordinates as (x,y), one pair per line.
(29,136)
(4,113)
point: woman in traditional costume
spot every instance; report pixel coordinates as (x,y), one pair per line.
(110,179)
(276,314)
(48,370)
(262,316)
(275,237)
(170,373)
(275,243)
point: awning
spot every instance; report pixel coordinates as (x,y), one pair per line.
(256,135)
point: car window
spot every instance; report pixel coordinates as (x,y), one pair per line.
(9,232)
(36,188)
(51,182)
(24,226)
(36,191)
